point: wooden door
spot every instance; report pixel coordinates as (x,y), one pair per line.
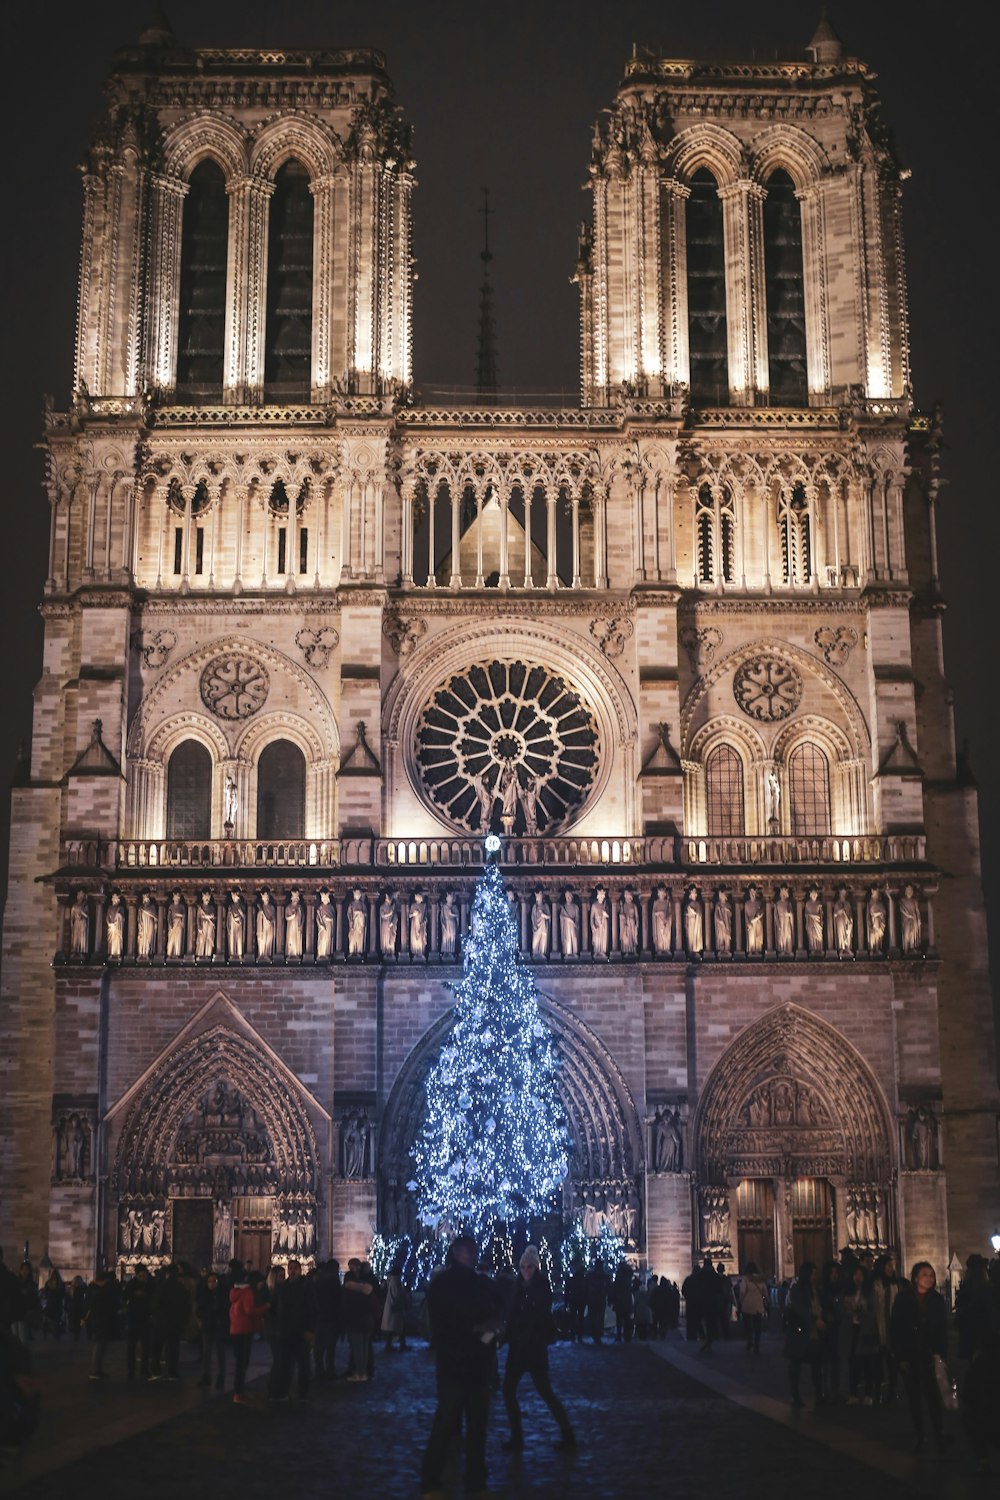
(755,1225)
(252,1233)
(812,1220)
(193,1232)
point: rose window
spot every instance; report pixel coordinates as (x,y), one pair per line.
(507,745)
(767,689)
(234,687)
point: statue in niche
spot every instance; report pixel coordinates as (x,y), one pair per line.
(866,1218)
(843,924)
(528,797)
(759,1108)
(784,923)
(782,1104)
(230,805)
(921,1138)
(266,925)
(295,925)
(600,924)
(76,1149)
(176,926)
(668,1150)
(418,925)
(236,925)
(115,924)
(449,926)
(773,801)
(694,923)
(146,925)
(79,926)
(357,924)
(663,920)
(722,923)
(223,1232)
(877,916)
(486,797)
(357,1133)
(326,924)
(204,930)
(541,921)
(569,925)
(753,917)
(813,914)
(158,1225)
(509,786)
(628,923)
(881,1226)
(388,923)
(910,920)
(633,1209)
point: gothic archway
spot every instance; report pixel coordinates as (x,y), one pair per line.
(606,1142)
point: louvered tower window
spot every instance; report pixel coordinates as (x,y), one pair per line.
(809,790)
(795,531)
(724,793)
(201,330)
(189,792)
(281,791)
(785,292)
(288,340)
(715,517)
(706,271)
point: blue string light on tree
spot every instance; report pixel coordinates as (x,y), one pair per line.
(493,1148)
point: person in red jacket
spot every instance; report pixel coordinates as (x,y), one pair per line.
(246,1316)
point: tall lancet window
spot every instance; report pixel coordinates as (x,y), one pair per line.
(281,791)
(785,292)
(201,331)
(724,793)
(809,789)
(288,339)
(189,792)
(715,516)
(795,531)
(706,271)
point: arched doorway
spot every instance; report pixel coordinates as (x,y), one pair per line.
(792,1148)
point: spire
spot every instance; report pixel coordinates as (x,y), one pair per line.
(826,46)
(486,365)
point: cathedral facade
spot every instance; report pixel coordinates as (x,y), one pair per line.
(308,640)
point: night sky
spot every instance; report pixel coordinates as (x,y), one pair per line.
(505,95)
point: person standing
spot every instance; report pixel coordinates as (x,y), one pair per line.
(598,1287)
(753,1295)
(393,1312)
(359,1321)
(246,1318)
(622,1301)
(463,1328)
(326,1289)
(212,1311)
(918,1333)
(884,1291)
(99,1316)
(295,1325)
(171,1308)
(859,1339)
(528,1329)
(137,1298)
(804,1331)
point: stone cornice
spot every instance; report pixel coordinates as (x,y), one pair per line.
(767,604)
(522,605)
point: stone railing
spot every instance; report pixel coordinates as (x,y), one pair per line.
(868,849)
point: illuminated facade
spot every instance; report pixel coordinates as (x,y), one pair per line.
(307,638)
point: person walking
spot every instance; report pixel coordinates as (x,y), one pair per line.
(918,1334)
(528,1330)
(246,1319)
(753,1295)
(463,1328)
(27,1303)
(804,1327)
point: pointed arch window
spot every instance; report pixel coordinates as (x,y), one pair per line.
(189,792)
(784,287)
(288,336)
(715,527)
(201,329)
(809,790)
(724,793)
(281,791)
(708,343)
(795,532)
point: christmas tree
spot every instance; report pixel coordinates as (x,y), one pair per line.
(493,1146)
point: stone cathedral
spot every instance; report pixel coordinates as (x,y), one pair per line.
(309,639)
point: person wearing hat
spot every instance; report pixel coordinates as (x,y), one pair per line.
(529,1331)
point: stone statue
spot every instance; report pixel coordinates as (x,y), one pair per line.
(79,926)
(663,921)
(356,1132)
(357,923)
(632,1208)
(667,1144)
(813,914)
(773,801)
(223,1232)
(722,922)
(528,795)
(910,920)
(326,924)
(176,926)
(388,923)
(418,925)
(694,923)
(541,921)
(877,915)
(236,925)
(449,926)
(628,923)
(230,805)
(843,924)
(784,923)
(753,917)
(509,787)
(569,925)
(600,924)
(158,1225)
(76,1142)
(486,797)
(204,941)
(782,1104)
(116,927)
(266,924)
(146,926)
(759,1108)
(921,1133)
(295,926)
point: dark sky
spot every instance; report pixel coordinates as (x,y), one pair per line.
(505,95)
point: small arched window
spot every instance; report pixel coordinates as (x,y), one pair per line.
(784,288)
(809,790)
(288,338)
(715,517)
(724,793)
(708,344)
(189,792)
(281,791)
(201,329)
(795,531)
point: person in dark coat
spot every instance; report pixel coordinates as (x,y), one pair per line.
(805,1329)
(212,1311)
(170,1310)
(137,1299)
(463,1327)
(918,1331)
(27,1303)
(327,1292)
(576,1301)
(295,1326)
(598,1287)
(528,1329)
(623,1302)
(100,1312)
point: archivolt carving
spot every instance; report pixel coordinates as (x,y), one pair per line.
(787,146)
(791,1096)
(186,726)
(705,145)
(203,135)
(299,135)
